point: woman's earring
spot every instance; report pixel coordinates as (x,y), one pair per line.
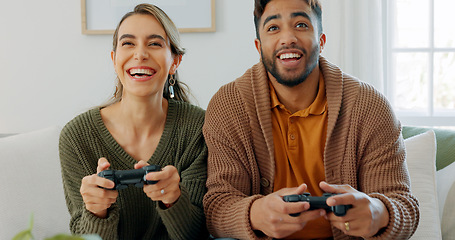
(171,86)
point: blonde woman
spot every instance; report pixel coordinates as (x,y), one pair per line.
(148,121)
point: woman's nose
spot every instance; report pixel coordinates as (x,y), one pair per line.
(140,54)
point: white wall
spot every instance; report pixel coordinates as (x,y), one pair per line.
(50,72)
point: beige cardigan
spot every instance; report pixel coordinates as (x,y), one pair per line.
(364,149)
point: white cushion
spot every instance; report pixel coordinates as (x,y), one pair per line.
(448,217)
(446,197)
(31,183)
(421,158)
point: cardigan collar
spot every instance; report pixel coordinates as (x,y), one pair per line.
(257,78)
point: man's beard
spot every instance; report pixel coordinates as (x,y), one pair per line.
(270,66)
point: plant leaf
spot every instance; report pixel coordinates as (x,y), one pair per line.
(64,237)
(69,237)
(24,235)
(32,221)
(91,237)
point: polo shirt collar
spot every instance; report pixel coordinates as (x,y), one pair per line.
(318,107)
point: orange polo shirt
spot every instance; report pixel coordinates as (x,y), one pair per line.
(299,140)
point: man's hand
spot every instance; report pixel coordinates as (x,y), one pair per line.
(270,214)
(97,200)
(366,217)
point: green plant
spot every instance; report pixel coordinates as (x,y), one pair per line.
(27,235)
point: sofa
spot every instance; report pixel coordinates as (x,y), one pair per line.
(31,187)
(430,160)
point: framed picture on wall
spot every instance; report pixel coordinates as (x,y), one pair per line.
(102,16)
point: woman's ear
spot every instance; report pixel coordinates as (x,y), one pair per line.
(175,64)
(113,59)
(113,56)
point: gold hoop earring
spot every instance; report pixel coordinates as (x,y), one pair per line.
(171,86)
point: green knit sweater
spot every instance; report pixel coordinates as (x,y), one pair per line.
(85,139)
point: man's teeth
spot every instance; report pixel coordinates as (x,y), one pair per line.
(289,55)
(141,71)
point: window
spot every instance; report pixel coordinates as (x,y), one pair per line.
(420,60)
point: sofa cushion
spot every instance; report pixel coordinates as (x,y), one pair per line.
(446,196)
(448,217)
(420,159)
(445,139)
(31,183)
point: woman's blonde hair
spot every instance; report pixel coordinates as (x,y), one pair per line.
(180,89)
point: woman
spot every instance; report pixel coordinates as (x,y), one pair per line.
(148,121)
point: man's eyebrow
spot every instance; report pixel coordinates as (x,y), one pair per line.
(270,18)
(152,36)
(293,15)
(301,14)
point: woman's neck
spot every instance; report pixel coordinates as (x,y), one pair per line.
(137,117)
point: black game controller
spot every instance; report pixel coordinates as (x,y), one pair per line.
(124,178)
(317,203)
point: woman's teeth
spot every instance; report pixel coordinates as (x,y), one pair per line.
(141,72)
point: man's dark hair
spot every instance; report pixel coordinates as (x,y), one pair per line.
(259,6)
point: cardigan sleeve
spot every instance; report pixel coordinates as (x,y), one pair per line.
(383,173)
(75,166)
(233,182)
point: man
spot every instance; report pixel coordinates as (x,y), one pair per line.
(296,123)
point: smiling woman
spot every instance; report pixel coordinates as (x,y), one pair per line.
(139,52)
(155,41)
(148,121)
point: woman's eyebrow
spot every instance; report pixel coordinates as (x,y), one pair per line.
(126,36)
(151,36)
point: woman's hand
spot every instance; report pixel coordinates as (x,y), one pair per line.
(167,189)
(366,217)
(97,200)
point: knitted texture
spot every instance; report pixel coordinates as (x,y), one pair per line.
(85,139)
(364,148)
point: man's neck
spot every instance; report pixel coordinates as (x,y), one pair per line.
(298,97)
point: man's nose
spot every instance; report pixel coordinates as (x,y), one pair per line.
(288,37)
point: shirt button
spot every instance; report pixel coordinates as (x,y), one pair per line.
(265,182)
(292,136)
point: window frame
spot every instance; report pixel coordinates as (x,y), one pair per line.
(416,118)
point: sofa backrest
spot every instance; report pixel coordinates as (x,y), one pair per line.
(445,140)
(31,184)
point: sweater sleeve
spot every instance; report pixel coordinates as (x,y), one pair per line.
(383,172)
(74,167)
(184,147)
(185,219)
(232,171)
